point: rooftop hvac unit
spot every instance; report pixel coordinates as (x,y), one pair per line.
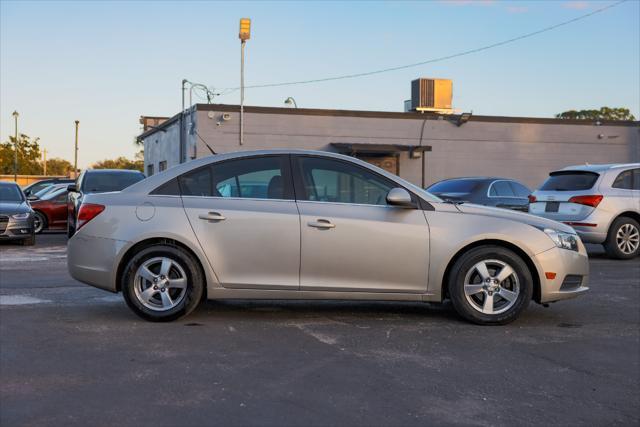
(432,95)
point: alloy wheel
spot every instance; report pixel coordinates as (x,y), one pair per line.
(160,283)
(38,223)
(491,286)
(628,238)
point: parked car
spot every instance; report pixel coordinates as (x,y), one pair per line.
(46,190)
(39,185)
(601,202)
(489,191)
(16,216)
(93,181)
(50,211)
(328,227)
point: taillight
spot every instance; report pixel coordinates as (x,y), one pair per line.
(592,201)
(532,198)
(87,212)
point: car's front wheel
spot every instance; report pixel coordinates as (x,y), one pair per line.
(623,239)
(39,222)
(490,285)
(162,283)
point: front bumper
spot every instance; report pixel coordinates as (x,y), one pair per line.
(17,229)
(571,273)
(92,260)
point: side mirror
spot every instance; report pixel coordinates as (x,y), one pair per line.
(72,188)
(32,198)
(400,197)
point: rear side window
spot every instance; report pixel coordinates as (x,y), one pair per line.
(197,183)
(101,182)
(501,189)
(454,186)
(628,180)
(520,190)
(170,188)
(570,181)
(253,178)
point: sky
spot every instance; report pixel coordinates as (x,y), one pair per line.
(107,63)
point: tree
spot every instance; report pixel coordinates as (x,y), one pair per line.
(120,163)
(604,113)
(59,167)
(28,156)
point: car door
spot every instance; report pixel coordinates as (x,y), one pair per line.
(351,240)
(59,210)
(246,220)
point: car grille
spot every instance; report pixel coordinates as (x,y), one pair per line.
(571,281)
(4,219)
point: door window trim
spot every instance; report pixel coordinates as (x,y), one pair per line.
(508,181)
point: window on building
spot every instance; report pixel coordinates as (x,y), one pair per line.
(149,170)
(327,180)
(162,166)
(255,178)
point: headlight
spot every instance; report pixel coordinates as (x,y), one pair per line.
(562,239)
(21,215)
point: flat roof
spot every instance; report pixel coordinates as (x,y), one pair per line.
(411,115)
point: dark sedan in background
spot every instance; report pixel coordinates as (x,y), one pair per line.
(16,216)
(489,191)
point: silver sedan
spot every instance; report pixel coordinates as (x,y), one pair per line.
(315,225)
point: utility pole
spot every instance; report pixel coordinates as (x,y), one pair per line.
(44,161)
(15,146)
(75,160)
(182,132)
(245,34)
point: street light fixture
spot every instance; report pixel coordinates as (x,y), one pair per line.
(15,145)
(244,35)
(290,101)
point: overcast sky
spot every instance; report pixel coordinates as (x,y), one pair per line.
(107,63)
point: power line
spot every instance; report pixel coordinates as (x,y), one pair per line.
(431,61)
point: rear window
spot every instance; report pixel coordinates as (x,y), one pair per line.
(102,182)
(570,181)
(454,186)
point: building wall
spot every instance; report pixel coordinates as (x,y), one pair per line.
(524,151)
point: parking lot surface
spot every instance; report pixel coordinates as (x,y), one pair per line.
(74,355)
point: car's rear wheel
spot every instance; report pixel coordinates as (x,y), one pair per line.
(490,285)
(162,283)
(39,222)
(623,239)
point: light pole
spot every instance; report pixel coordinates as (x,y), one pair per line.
(244,35)
(15,145)
(75,160)
(290,101)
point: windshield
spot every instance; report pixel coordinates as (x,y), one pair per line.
(570,181)
(453,186)
(102,182)
(10,193)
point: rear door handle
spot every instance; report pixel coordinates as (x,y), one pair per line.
(321,223)
(212,216)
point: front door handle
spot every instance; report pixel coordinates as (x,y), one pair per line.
(321,223)
(212,216)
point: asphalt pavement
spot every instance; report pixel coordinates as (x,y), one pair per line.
(72,355)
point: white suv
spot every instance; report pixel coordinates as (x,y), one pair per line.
(601,202)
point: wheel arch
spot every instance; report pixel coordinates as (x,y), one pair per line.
(44,214)
(495,242)
(628,214)
(129,253)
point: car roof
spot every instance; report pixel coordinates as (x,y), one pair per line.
(600,167)
(7,183)
(112,170)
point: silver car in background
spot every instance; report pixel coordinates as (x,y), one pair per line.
(601,202)
(283,224)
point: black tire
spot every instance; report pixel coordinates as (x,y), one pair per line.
(611,244)
(194,290)
(496,255)
(29,241)
(39,222)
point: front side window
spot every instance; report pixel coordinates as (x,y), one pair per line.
(625,179)
(253,178)
(328,180)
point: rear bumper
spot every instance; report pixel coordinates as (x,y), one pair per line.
(566,265)
(92,260)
